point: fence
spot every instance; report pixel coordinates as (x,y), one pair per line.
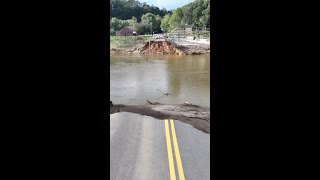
(195,31)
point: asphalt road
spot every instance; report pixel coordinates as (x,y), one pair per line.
(145,148)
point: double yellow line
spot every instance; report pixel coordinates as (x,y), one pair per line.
(176,150)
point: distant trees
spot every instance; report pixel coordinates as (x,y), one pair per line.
(133,21)
(151,22)
(157,27)
(197,13)
(117,24)
(147,19)
(176,18)
(125,9)
(142,28)
(165,23)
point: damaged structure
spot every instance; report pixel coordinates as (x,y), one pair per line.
(164,47)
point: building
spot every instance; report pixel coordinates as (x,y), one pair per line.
(127,31)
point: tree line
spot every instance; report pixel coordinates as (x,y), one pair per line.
(126,9)
(148,19)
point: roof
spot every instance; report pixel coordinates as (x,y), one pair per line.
(131,28)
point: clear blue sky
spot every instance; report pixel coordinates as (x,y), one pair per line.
(168,4)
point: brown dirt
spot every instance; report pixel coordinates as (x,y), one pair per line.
(161,47)
(197,116)
(164,47)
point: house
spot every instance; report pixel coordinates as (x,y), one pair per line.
(127,31)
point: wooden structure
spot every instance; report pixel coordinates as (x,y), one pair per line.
(127,31)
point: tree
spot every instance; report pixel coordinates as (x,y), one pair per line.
(117,24)
(142,28)
(125,9)
(206,15)
(132,21)
(158,23)
(176,18)
(196,13)
(165,23)
(149,20)
(187,14)
(112,32)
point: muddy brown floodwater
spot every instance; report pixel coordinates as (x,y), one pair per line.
(169,80)
(136,78)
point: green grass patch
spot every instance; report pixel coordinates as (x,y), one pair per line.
(128,41)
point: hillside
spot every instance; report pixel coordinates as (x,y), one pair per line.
(126,9)
(150,19)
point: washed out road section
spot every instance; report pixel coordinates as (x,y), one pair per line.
(195,115)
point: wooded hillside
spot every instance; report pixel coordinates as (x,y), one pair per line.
(148,19)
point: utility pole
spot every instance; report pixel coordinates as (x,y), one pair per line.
(150,39)
(149,45)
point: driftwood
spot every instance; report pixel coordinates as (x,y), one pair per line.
(153,103)
(163,92)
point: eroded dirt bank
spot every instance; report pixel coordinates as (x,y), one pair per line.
(197,116)
(164,47)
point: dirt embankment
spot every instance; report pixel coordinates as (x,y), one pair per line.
(195,115)
(164,47)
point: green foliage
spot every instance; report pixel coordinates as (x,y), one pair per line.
(157,27)
(176,18)
(152,21)
(112,31)
(117,24)
(196,14)
(165,23)
(149,23)
(205,19)
(148,18)
(125,9)
(142,28)
(141,16)
(127,42)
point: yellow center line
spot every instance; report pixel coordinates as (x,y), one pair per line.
(170,156)
(177,152)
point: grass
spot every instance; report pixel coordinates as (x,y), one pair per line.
(127,42)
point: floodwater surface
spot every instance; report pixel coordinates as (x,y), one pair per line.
(135,79)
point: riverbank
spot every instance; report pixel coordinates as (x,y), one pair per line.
(197,116)
(162,47)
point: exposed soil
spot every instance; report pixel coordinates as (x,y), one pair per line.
(164,47)
(195,115)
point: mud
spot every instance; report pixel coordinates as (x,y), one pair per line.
(164,47)
(198,117)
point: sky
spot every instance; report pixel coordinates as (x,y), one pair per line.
(168,4)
